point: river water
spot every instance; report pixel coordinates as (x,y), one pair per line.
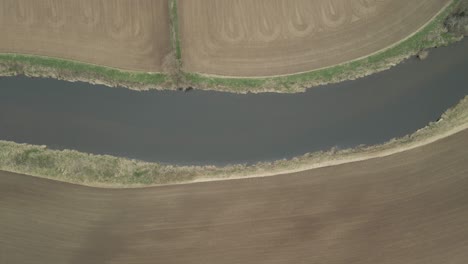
(202,127)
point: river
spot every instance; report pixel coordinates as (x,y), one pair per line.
(205,127)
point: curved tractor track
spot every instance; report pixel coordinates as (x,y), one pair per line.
(278,37)
(411,207)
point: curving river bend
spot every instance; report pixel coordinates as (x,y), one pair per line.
(219,128)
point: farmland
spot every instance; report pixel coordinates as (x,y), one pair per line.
(410,207)
(267,38)
(129,35)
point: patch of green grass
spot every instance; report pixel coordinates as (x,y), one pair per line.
(34,157)
(434,34)
(227,84)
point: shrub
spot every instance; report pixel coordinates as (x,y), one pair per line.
(457,23)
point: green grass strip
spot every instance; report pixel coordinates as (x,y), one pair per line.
(32,65)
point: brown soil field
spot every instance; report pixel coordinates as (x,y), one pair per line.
(410,207)
(278,37)
(126,34)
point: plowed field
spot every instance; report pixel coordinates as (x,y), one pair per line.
(125,34)
(276,37)
(409,208)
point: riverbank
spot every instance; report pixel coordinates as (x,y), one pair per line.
(107,171)
(433,34)
(46,67)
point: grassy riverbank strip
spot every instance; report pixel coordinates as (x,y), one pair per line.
(108,171)
(47,67)
(434,34)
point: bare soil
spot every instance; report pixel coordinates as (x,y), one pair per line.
(278,37)
(411,207)
(130,35)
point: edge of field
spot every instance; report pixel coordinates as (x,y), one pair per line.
(12,64)
(433,34)
(114,172)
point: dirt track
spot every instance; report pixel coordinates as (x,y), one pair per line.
(275,37)
(126,34)
(408,208)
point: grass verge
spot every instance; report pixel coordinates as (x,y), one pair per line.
(108,171)
(38,66)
